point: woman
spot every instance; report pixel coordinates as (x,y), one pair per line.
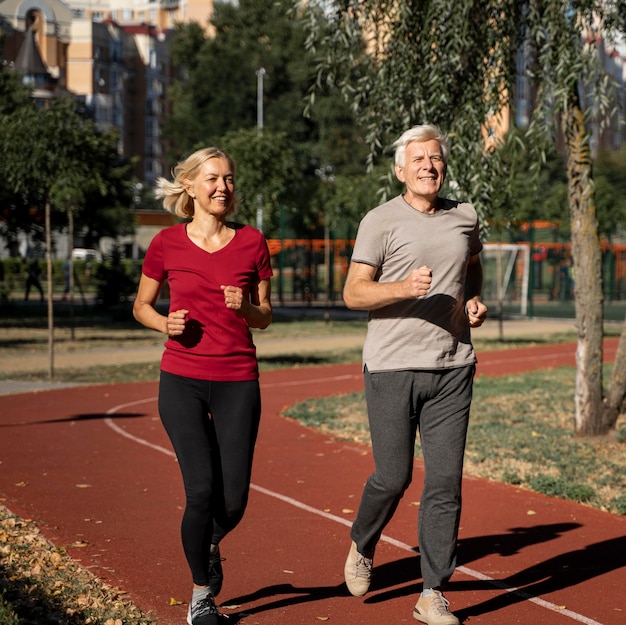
(218,273)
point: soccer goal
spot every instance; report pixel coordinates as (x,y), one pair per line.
(506,269)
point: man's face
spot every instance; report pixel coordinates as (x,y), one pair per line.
(424,170)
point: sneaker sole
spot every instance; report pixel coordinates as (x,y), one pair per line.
(418,616)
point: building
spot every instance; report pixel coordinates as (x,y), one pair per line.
(112,55)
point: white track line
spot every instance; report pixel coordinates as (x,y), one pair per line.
(331,517)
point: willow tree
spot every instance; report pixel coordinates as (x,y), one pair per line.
(458,65)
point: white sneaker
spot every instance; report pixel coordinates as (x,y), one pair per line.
(357,572)
(433,610)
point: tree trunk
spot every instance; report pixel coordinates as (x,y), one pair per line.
(586,257)
(70,261)
(50,293)
(617,387)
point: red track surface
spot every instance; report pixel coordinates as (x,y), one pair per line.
(92,465)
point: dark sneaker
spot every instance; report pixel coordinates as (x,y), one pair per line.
(203,612)
(433,610)
(216,574)
(357,572)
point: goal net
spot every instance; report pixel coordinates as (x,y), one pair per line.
(506,270)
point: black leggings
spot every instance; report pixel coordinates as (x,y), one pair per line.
(213,428)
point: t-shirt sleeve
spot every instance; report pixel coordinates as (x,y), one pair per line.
(369,243)
(264,265)
(153,264)
(476,245)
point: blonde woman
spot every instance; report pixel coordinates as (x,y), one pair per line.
(218,273)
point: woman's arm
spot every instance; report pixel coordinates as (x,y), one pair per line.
(258,310)
(145,312)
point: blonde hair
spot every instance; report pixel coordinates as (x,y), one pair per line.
(424,132)
(174,193)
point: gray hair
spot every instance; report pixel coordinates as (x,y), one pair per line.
(423,132)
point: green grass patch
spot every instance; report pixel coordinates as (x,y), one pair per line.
(521,432)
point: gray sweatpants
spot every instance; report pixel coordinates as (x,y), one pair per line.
(398,403)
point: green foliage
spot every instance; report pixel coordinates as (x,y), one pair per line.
(13,94)
(518,434)
(610,191)
(114,282)
(619,504)
(57,156)
(211,108)
(457,66)
(428,62)
(266,164)
(564,489)
(518,201)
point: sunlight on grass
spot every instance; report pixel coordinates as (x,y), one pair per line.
(521,432)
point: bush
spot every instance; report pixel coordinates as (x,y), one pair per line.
(619,503)
(558,487)
(114,281)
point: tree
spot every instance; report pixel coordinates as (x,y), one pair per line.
(610,190)
(215,98)
(266,164)
(51,153)
(457,66)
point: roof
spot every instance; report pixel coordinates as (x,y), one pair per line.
(29,59)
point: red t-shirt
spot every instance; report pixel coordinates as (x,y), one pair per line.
(217,342)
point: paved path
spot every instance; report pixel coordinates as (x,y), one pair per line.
(266,347)
(92,466)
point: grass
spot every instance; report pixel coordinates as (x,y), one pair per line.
(520,433)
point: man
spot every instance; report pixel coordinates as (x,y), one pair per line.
(416,268)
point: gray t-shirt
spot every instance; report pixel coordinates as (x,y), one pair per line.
(430,332)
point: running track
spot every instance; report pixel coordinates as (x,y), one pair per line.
(92,466)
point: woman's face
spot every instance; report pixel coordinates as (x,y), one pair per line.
(213,189)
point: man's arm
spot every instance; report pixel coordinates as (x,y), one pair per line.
(476,310)
(362,292)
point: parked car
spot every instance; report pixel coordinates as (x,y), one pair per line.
(81,253)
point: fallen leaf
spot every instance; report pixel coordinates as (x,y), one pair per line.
(347,511)
(21,484)
(79,544)
(175,601)
(83,485)
(531,513)
(322,618)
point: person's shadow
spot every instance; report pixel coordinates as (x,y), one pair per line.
(401,578)
(564,570)
(282,596)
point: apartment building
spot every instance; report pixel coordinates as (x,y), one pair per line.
(113,55)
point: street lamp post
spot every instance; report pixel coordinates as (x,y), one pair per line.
(327,175)
(261,74)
